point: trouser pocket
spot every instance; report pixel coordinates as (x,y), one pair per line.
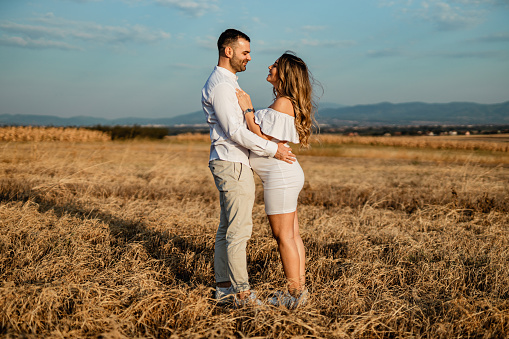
(226,174)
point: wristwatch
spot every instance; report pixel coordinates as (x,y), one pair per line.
(248,110)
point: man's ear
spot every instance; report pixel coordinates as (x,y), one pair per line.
(228,51)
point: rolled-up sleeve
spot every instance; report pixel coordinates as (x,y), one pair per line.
(225,104)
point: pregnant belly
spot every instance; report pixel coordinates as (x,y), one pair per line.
(275,172)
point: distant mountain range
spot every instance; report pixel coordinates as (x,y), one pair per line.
(417,113)
(385,113)
(195,118)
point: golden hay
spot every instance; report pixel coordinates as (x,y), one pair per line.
(38,134)
(116,240)
(189,137)
(457,142)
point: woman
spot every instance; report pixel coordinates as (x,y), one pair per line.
(289,119)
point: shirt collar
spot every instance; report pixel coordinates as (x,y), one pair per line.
(227,72)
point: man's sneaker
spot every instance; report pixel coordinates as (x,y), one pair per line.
(251,300)
(224,295)
(287,300)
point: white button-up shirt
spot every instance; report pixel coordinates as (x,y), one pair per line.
(230,138)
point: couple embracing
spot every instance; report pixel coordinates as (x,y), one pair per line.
(243,140)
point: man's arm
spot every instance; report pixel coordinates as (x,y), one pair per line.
(225,103)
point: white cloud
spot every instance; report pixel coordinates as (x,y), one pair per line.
(325,43)
(482,2)
(36,44)
(386,3)
(185,66)
(446,53)
(497,37)
(61,33)
(470,55)
(282,46)
(445,14)
(31,30)
(384,53)
(83,1)
(449,17)
(208,42)
(310,28)
(194,8)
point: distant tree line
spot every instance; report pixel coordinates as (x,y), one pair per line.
(144,132)
(415,130)
(132,132)
(159,132)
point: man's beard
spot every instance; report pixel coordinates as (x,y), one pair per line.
(237,64)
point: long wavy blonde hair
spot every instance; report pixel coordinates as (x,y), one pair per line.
(295,84)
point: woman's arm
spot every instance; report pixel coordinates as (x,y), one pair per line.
(245,103)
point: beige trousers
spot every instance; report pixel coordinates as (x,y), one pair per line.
(236,196)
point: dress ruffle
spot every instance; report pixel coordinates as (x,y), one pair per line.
(276,124)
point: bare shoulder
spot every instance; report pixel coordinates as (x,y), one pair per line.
(283,105)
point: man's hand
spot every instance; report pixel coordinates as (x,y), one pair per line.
(284,153)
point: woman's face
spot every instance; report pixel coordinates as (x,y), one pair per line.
(273,76)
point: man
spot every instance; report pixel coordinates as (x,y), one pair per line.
(231,142)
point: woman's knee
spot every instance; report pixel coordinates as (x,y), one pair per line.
(284,238)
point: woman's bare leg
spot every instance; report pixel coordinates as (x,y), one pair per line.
(283,229)
(301,250)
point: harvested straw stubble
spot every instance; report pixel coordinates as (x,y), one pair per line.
(123,246)
(497,143)
(38,134)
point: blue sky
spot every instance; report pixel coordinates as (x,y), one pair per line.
(150,58)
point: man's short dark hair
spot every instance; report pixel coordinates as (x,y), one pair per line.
(228,37)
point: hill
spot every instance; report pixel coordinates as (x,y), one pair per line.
(385,113)
(416,113)
(49,120)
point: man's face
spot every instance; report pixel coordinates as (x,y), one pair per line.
(241,57)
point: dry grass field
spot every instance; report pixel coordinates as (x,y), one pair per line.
(37,134)
(103,239)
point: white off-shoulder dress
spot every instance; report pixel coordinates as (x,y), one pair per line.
(282,182)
